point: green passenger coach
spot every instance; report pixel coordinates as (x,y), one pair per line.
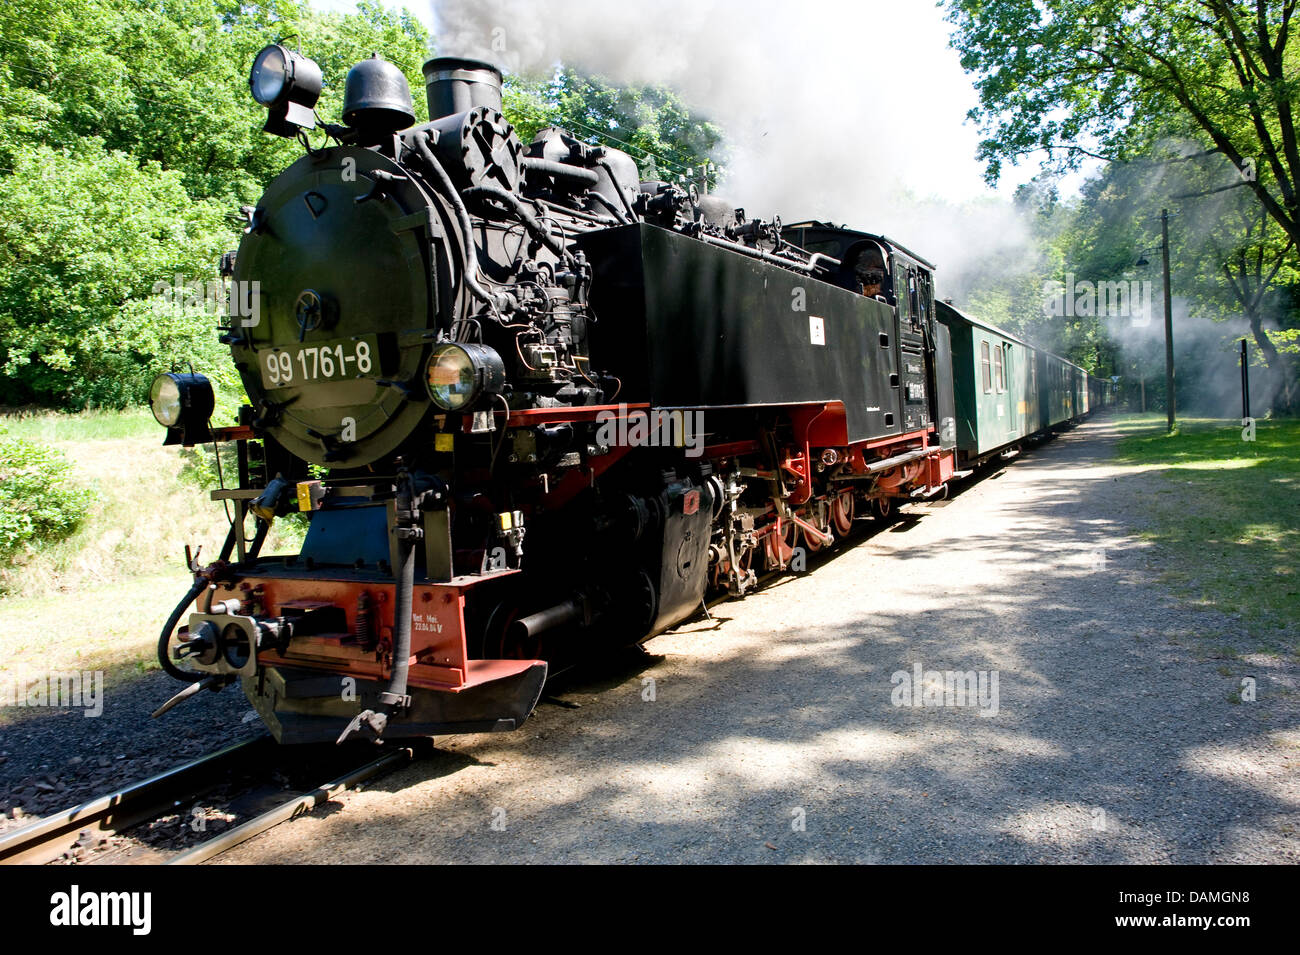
(1006,389)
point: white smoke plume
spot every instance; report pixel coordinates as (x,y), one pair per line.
(829,110)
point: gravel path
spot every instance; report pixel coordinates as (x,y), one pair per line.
(770,734)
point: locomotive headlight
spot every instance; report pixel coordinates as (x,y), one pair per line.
(165,399)
(270,75)
(183,403)
(288,85)
(458,374)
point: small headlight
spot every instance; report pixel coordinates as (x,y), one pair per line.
(450,377)
(457,374)
(270,75)
(165,399)
(288,85)
(183,403)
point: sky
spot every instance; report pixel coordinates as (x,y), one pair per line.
(872,77)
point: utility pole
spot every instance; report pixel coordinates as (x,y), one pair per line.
(1245,382)
(1169,318)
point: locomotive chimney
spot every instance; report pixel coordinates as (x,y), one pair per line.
(454,85)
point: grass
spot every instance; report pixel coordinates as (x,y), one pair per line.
(98,599)
(1224,516)
(60,429)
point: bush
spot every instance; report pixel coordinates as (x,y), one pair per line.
(39,503)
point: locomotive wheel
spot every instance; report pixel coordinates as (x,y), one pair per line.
(884,509)
(811,540)
(641,602)
(780,547)
(842,513)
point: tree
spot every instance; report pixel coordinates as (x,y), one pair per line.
(1079,78)
(1234,260)
(127,134)
(86,235)
(167,82)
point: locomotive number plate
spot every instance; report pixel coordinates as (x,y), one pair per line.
(335,360)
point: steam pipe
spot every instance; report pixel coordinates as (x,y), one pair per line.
(604,164)
(809,266)
(579,213)
(613,209)
(462,215)
(884,464)
(570,611)
(401,628)
(560,170)
(517,208)
(394,697)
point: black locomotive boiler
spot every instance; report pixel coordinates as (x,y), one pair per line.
(532,406)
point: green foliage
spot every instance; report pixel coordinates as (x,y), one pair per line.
(1193,103)
(86,234)
(1228,259)
(95,425)
(39,503)
(200,465)
(1073,78)
(127,137)
(167,82)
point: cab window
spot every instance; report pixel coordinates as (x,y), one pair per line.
(901,295)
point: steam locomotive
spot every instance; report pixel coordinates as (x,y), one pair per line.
(534,407)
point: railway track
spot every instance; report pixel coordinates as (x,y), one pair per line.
(118,812)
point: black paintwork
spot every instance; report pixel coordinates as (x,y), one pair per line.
(686,324)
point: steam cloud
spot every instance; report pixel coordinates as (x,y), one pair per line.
(827,109)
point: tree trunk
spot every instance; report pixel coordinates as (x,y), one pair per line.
(1277,363)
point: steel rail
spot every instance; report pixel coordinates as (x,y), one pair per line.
(294,807)
(51,836)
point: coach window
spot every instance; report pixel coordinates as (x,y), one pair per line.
(984,367)
(997,370)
